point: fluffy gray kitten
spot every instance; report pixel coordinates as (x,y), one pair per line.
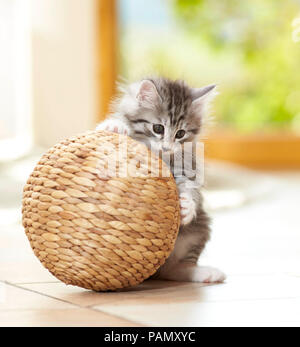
(165,114)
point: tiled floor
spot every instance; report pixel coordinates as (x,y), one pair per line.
(257,245)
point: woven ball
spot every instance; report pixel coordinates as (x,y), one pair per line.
(101,211)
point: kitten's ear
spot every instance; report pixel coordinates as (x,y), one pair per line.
(202,97)
(148,95)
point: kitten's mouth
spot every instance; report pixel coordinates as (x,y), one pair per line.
(166,155)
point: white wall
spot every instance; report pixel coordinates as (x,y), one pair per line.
(15,79)
(64,68)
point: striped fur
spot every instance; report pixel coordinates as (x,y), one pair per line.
(175,106)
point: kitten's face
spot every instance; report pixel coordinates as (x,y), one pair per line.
(163,133)
(165,114)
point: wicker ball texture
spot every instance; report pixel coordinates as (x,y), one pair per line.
(95,227)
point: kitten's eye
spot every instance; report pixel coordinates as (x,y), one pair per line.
(180,134)
(158,129)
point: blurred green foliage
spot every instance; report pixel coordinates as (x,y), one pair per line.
(246,47)
(259,33)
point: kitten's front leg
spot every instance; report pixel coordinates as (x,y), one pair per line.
(192,238)
(114,126)
(187,198)
(187,208)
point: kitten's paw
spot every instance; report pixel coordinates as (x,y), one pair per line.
(187,208)
(114,126)
(207,274)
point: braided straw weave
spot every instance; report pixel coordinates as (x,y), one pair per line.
(96,227)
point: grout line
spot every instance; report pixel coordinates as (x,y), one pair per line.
(27,283)
(117,316)
(36,292)
(73,304)
(117,301)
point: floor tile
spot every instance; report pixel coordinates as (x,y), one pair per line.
(61,318)
(25,272)
(15,298)
(18,262)
(72,294)
(237,288)
(148,290)
(238,313)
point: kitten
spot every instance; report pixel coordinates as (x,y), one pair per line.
(165,114)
